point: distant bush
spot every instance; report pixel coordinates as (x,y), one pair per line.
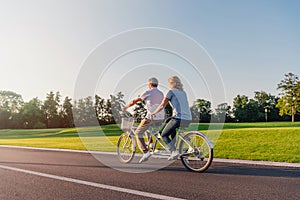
(39,125)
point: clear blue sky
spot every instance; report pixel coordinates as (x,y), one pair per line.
(44,43)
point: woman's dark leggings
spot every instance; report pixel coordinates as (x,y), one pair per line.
(170,129)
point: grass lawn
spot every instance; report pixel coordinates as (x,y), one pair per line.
(276,141)
(64,138)
(276,144)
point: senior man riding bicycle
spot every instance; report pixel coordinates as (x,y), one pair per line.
(152,97)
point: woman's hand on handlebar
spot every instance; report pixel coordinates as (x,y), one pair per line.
(152,116)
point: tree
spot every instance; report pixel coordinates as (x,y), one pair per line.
(116,105)
(245,110)
(85,113)
(239,104)
(252,111)
(266,105)
(10,106)
(100,108)
(108,113)
(33,114)
(223,113)
(139,111)
(67,113)
(289,103)
(51,109)
(11,101)
(201,110)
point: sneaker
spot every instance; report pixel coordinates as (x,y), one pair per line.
(174,155)
(145,157)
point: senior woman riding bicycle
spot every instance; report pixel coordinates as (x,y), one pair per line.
(152,97)
(181,113)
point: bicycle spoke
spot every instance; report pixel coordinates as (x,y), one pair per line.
(196,153)
(126,148)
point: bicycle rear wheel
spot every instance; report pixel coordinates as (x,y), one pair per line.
(126,147)
(196,152)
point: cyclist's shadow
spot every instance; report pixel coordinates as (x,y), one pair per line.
(253,170)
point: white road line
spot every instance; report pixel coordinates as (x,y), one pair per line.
(98,185)
(233,161)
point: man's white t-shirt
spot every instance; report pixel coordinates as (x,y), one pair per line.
(153,99)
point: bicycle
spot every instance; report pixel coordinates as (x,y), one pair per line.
(195,148)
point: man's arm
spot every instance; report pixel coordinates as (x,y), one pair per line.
(131,103)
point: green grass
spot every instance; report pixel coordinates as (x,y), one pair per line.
(205,126)
(276,141)
(276,144)
(90,137)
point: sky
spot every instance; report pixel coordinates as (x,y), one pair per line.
(44,44)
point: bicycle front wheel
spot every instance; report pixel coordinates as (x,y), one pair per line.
(196,152)
(126,147)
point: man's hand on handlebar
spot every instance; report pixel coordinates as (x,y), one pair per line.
(124,108)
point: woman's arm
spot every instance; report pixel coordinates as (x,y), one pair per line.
(161,106)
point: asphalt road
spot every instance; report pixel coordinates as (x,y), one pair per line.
(39,174)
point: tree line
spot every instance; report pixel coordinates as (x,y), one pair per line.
(262,107)
(56,111)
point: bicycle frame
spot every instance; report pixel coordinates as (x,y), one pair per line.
(179,136)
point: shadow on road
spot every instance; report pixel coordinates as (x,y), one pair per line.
(253,170)
(133,165)
(177,167)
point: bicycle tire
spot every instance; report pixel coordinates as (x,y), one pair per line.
(126,147)
(198,157)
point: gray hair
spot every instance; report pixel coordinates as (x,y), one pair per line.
(153,81)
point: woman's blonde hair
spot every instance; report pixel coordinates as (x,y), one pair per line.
(175,82)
